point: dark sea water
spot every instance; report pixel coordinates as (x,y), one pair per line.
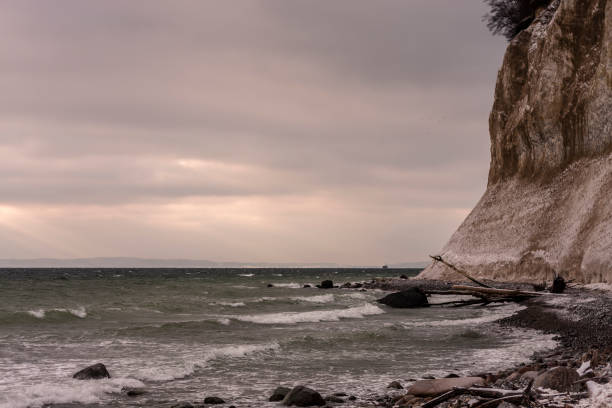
(183,334)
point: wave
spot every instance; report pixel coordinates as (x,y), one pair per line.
(69,391)
(80,312)
(502,312)
(290,285)
(230,304)
(190,367)
(246,275)
(315,299)
(312,317)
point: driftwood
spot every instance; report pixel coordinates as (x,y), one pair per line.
(438,258)
(494,396)
(500,292)
(497,393)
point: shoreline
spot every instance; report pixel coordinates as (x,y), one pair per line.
(580,319)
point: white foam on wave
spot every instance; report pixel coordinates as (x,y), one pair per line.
(80,312)
(490,316)
(69,391)
(312,317)
(524,344)
(230,304)
(161,373)
(290,285)
(246,275)
(315,299)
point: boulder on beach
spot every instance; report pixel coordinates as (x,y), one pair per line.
(412,297)
(326,284)
(334,399)
(93,372)
(559,378)
(213,400)
(395,385)
(303,397)
(279,394)
(431,388)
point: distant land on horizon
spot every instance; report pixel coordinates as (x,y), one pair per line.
(128,262)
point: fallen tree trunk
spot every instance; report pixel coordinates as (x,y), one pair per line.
(438,258)
(493,291)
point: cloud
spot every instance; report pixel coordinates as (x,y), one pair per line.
(378,110)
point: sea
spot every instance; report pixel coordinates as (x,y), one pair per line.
(185,334)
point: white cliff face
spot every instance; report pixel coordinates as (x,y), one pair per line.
(548,204)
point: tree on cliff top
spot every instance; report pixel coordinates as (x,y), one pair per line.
(510,17)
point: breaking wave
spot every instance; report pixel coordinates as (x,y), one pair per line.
(312,317)
(158,373)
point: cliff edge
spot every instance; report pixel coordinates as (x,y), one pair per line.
(548,203)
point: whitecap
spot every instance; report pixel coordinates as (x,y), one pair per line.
(315,299)
(246,275)
(160,373)
(39,314)
(69,391)
(313,316)
(230,304)
(290,285)
(491,316)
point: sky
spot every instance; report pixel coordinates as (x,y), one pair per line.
(345,131)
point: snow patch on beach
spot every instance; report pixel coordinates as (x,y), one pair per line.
(600,396)
(314,316)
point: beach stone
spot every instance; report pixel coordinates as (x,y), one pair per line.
(412,297)
(307,286)
(529,375)
(558,285)
(395,385)
(303,397)
(506,404)
(432,388)
(333,398)
(135,392)
(559,378)
(327,284)
(93,372)
(279,394)
(213,400)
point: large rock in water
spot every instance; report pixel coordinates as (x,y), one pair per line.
(303,397)
(548,201)
(94,372)
(412,297)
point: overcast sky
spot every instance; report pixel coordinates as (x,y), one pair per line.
(341,131)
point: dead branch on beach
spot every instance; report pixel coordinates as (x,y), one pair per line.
(486,294)
(438,258)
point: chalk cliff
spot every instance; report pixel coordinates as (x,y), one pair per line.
(548,203)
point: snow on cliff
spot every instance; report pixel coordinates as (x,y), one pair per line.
(548,203)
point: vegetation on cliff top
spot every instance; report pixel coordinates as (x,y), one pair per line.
(510,17)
